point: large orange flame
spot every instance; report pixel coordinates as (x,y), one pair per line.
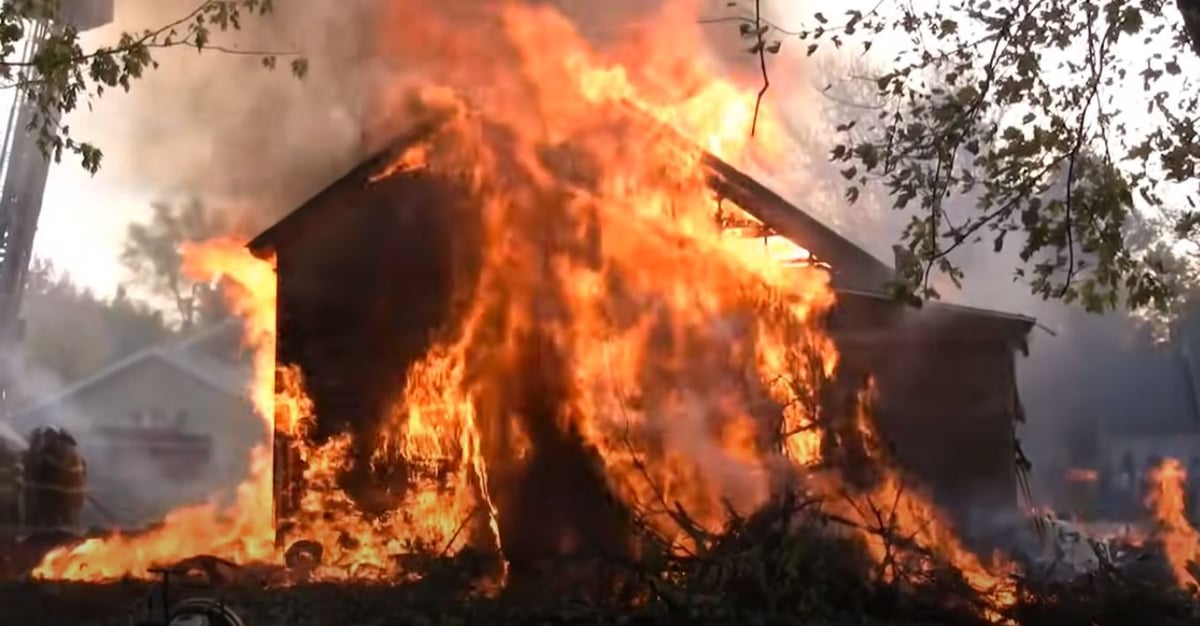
(1180,540)
(678,352)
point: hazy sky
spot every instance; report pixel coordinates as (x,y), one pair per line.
(83,223)
(212,125)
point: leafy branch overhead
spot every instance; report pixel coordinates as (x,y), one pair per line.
(60,75)
(1065,128)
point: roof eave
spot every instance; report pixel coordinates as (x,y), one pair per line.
(268,242)
(961,309)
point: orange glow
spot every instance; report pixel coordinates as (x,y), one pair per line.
(1082,475)
(412,158)
(678,353)
(1180,540)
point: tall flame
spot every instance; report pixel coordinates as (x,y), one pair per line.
(1180,540)
(610,310)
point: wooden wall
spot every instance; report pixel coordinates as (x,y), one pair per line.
(947,400)
(360,298)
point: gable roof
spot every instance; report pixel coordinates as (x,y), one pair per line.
(180,356)
(857,268)
(305,217)
(221,331)
(851,265)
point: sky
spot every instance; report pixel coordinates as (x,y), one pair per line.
(83,222)
(84,217)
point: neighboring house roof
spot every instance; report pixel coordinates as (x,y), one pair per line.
(9,435)
(214,339)
(223,377)
(218,375)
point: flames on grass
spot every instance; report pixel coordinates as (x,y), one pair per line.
(1180,540)
(668,350)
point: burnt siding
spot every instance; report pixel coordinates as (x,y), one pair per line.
(946,408)
(362,297)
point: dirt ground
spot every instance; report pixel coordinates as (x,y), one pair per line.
(27,603)
(73,604)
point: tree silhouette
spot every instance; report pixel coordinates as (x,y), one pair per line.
(72,333)
(151,255)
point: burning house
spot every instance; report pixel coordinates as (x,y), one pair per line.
(372,268)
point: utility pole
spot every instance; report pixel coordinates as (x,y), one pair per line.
(23,172)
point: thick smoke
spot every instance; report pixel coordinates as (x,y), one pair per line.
(222,127)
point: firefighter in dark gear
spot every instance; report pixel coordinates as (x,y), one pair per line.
(54,477)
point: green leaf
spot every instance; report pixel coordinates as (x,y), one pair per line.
(300,67)
(1131,20)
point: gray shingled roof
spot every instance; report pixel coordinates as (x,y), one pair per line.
(10,436)
(224,377)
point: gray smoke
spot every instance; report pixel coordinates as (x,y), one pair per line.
(127,487)
(219,126)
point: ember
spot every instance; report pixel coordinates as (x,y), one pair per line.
(1082,475)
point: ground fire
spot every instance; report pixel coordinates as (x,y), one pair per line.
(622,364)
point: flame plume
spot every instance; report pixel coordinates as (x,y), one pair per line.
(610,315)
(1180,540)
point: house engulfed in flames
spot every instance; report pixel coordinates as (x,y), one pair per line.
(367,273)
